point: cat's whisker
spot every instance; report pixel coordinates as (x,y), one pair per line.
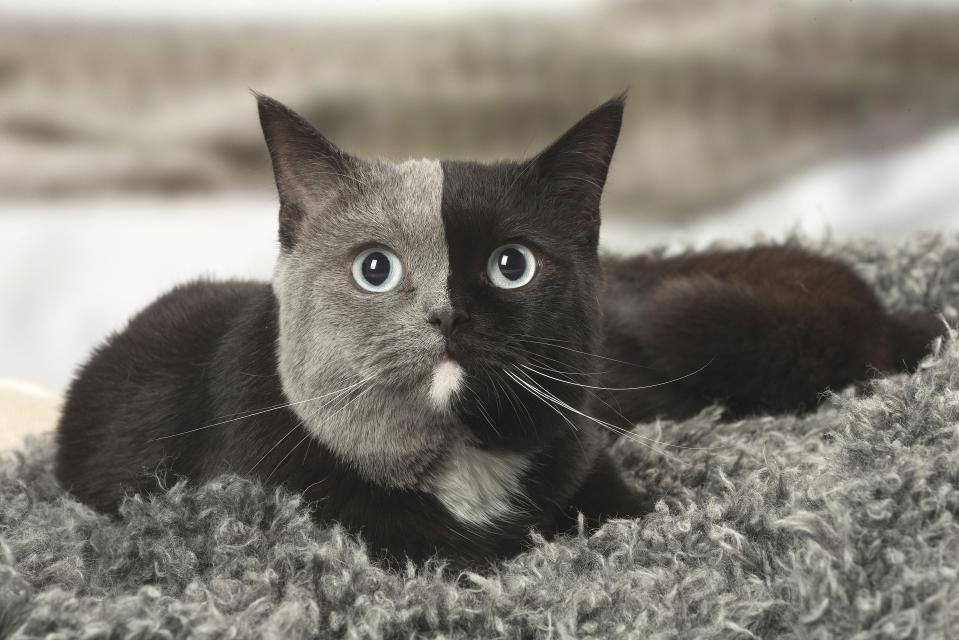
(309,434)
(544,338)
(547,400)
(648,386)
(295,427)
(239,415)
(585,353)
(620,430)
(540,363)
(496,395)
(551,401)
(617,429)
(482,410)
(638,438)
(519,401)
(261,411)
(592,394)
(500,394)
(549,362)
(509,394)
(283,459)
(271,449)
(613,428)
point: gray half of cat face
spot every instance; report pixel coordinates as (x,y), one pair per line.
(379,347)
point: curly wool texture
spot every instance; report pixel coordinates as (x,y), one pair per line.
(837,524)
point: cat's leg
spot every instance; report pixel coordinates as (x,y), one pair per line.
(604,494)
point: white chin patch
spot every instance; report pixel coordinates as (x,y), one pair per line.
(447,379)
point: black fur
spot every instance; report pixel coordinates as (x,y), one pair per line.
(182,391)
(766,330)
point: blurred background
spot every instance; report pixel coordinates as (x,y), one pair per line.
(131,157)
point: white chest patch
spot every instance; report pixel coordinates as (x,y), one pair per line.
(479,486)
(447,379)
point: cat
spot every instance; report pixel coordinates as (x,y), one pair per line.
(442,358)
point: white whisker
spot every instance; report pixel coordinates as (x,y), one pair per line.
(602,423)
(547,400)
(538,362)
(620,430)
(595,396)
(262,411)
(585,353)
(482,410)
(295,427)
(648,386)
(308,434)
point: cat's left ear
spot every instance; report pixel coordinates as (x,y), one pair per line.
(309,169)
(575,166)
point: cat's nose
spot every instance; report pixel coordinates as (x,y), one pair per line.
(446,320)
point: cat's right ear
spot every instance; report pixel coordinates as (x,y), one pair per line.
(574,167)
(308,168)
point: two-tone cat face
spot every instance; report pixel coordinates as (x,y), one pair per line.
(426,284)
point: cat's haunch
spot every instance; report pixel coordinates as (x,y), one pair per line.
(442,358)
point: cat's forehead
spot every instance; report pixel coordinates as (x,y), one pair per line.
(404,189)
(416,195)
(394,203)
(398,196)
(431,209)
(414,202)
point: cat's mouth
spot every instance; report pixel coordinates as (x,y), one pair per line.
(450,351)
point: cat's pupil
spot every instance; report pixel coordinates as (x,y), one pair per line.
(376,268)
(512,263)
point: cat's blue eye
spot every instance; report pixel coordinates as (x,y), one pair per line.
(377,269)
(511,266)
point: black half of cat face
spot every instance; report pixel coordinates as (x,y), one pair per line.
(495,307)
(525,341)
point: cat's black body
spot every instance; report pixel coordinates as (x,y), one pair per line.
(198,383)
(761,330)
(205,352)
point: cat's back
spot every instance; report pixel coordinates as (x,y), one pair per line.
(765,329)
(766,268)
(144,383)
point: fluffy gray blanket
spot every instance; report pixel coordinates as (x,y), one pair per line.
(839,524)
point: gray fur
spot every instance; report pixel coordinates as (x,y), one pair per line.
(333,334)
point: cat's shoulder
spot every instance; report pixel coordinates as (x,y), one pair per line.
(201,303)
(184,322)
(206,292)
